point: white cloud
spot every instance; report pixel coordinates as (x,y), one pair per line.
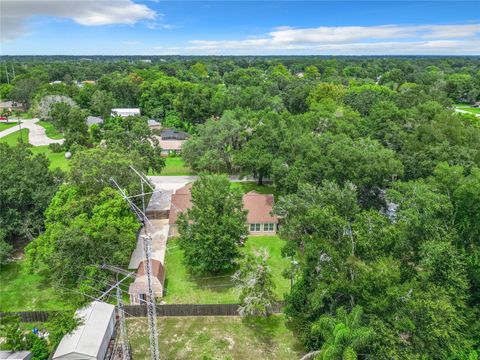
(131,42)
(353,40)
(15,14)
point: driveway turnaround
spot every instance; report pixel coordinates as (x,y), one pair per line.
(37,135)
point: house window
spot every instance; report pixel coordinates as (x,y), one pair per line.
(268,227)
(255,227)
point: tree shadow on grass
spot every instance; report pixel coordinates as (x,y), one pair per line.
(264,328)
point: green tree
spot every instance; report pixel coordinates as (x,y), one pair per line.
(213,147)
(26,188)
(212,231)
(76,132)
(343,335)
(132,135)
(255,284)
(102,103)
(326,91)
(23,91)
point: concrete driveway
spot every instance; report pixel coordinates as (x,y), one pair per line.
(37,135)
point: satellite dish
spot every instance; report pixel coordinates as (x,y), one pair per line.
(68,155)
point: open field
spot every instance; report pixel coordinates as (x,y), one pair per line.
(220,337)
(50,130)
(5,126)
(466,107)
(184,288)
(21,291)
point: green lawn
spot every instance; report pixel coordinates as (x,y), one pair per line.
(21,291)
(13,138)
(220,337)
(253,186)
(5,126)
(174,166)
(183,288)
(50,130)
(466,107)
(57,160)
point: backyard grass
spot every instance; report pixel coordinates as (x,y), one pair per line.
(50,130)
(57,160)
(184,288)
(466,107)
(219,337)
(5,126)
(174,166)
(13,138)
(253,186)
(22,291)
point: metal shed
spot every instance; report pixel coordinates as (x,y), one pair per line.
(90,340)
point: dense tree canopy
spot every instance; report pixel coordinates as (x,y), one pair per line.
(376,175)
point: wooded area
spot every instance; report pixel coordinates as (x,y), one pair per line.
(376,178)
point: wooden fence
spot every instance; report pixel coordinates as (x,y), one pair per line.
(162,310)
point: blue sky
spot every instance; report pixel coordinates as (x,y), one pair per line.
(127,27)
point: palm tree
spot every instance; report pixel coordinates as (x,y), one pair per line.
(343,335)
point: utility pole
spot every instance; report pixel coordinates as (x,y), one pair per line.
(123,326)
(147,249)
(151,307)
(125,344)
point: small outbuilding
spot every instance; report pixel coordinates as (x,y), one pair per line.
(90,340)
(154,124)
(126,112)
(94,120)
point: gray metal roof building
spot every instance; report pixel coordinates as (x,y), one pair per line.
(90,340)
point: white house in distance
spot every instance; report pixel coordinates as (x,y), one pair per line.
(126,112)
(90,340)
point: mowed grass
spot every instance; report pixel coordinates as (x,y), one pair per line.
(23,291)
(184,288)
(174,166)
(219,337)
(253,186)
(57,160)
(50,130)
(13,138)
(466,107)
(5,126)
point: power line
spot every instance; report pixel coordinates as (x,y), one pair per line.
(147,249)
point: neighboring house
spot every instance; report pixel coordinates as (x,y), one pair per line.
(125,112)
(92,120)
(170,146)
(259,218)
(259,206)
(138,290)
(171,141)
(90,340)
(169,134)
(154,124)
